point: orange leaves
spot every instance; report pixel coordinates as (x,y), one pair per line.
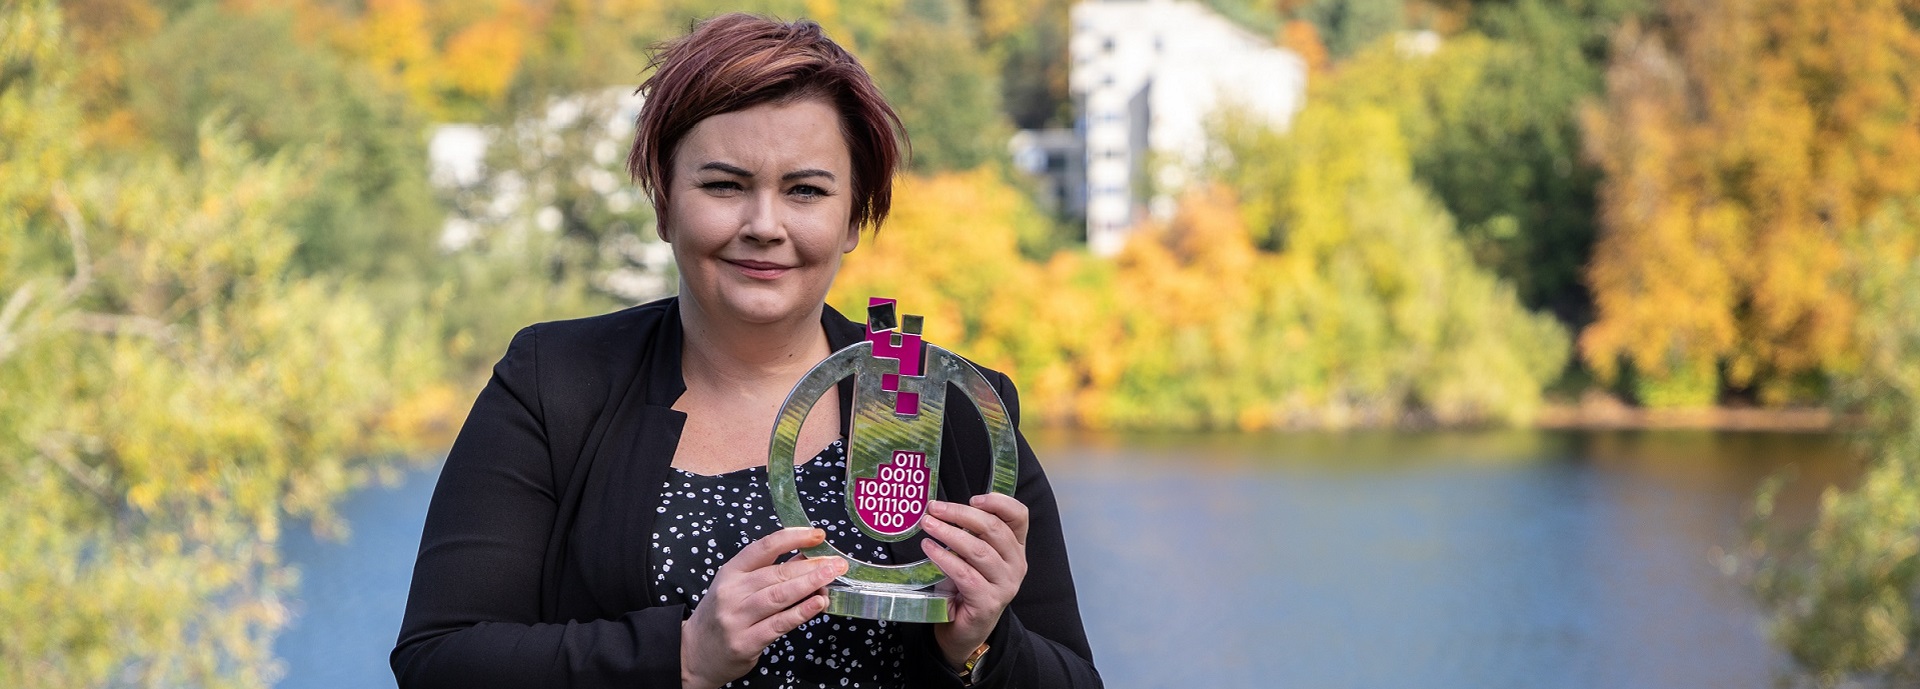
(437,53)
(481,59)
(1300,37)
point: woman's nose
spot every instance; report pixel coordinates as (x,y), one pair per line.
(763,223)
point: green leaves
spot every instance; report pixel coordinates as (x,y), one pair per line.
(1843,593)
(368,210)
(944,86)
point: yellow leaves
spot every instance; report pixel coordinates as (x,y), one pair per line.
(1742,145)
(998,19)
(394,39)
(429,417)
(826,13)
(145,496)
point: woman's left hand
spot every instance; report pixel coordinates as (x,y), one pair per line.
(985,557)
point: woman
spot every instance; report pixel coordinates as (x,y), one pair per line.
(602,521)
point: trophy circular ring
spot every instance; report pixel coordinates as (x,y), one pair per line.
(895,592)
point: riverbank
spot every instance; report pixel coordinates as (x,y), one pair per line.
(1605,412)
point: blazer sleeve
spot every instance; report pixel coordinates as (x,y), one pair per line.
(473,616)
(1040,641)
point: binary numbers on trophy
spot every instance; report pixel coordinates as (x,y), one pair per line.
(892,501)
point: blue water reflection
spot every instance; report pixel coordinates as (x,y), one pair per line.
(1535,560)
(352,593)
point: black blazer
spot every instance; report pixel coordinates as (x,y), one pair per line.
(533,566)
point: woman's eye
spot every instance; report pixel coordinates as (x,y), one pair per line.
(721,185)
(808,191)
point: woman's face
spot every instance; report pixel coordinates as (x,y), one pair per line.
(761,211)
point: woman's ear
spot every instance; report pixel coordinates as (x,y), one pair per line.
(853,238)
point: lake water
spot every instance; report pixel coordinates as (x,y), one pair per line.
(1535,560)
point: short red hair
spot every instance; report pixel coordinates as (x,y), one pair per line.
(737,61)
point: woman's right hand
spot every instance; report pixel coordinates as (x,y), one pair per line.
(751,602)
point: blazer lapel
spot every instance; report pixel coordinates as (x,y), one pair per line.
(632,462)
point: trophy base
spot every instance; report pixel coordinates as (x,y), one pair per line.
(892,605)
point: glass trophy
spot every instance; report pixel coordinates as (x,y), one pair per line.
(893,458)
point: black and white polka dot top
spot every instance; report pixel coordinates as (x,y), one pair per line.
(704,520)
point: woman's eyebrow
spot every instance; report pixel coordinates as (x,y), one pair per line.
(743,172)
(809,172)
(729,169)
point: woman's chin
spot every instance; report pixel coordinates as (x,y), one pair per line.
(756,307)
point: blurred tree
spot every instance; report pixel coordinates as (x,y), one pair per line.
(1028,40)
(588,46)
(1303,39)
(946,90)
(369,210)
(1346,26)
(1490,114)
(1491,119)
(1262,17)
(100,30)
(1387,304)
(1742,144)
(170,391)
(1505,155)
(1843,593)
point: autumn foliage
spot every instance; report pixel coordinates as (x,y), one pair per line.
(1743,144)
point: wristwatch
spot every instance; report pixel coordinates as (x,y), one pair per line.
(966,669)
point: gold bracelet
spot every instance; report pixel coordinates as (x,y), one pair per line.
(966,669)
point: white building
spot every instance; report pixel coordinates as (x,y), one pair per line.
(1146,75)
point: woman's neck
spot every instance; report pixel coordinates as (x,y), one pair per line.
(724,355)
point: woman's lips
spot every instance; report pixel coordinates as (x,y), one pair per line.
(760,270)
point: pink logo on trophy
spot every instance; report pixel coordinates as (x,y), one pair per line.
(901,349)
